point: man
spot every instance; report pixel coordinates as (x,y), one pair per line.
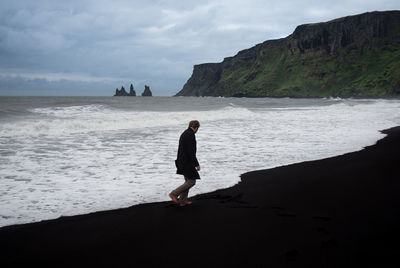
(186,164)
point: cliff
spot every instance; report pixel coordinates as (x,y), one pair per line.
(354,56)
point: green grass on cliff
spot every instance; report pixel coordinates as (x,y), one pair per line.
(362,72)
(361,58)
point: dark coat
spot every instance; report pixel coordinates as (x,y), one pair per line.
(186,161)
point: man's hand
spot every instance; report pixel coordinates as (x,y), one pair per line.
(198,168)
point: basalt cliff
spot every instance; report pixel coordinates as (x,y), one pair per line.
(354,56)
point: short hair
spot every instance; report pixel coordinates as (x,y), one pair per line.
(194,124)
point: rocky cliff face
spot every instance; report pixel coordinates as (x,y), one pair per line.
(355,56)
(342,32)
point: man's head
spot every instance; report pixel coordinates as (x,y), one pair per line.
(194,125)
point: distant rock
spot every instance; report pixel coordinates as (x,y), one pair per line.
(132,92)
(121,92)
(147,92)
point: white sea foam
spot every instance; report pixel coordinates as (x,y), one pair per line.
(70,120)
(83,158)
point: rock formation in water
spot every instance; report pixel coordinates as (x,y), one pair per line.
(132,92)
(147,92)
(121,92)
(354,56)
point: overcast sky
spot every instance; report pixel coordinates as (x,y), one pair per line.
(79,47)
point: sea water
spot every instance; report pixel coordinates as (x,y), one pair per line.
(64,156)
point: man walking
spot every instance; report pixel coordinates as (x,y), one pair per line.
(186,164)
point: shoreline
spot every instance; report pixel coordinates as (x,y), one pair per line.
(335,212)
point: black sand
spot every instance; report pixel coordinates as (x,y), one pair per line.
(337,212)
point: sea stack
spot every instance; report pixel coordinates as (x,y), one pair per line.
(132,92)
(147,92)
(121,92)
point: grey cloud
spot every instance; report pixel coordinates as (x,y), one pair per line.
(153,42)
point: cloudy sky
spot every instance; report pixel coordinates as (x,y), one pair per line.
(91,47)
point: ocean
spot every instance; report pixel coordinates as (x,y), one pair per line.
(62,156)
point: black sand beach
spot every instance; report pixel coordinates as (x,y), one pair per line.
(337,212)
